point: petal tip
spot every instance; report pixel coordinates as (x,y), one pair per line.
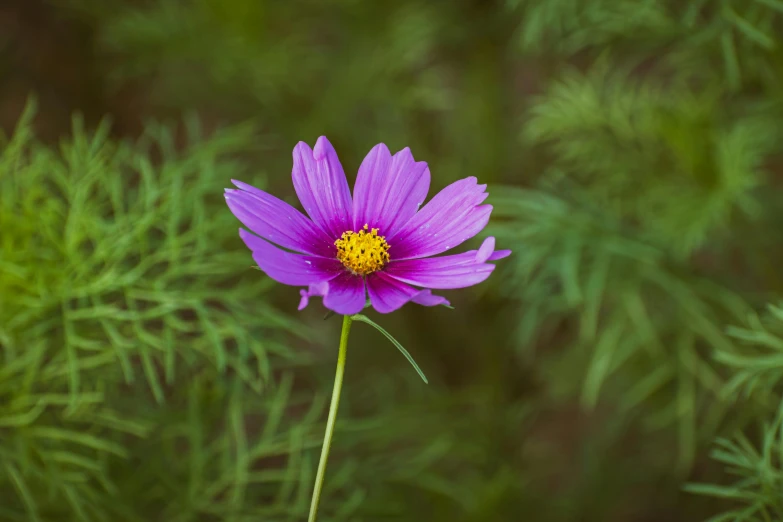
(485,250)
(499,254)
(302,149)
(323,148)
(379,151)
(404,153)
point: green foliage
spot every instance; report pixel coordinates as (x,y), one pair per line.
(637,314)
(759,478)
(643,179)
(756,384)
(650,195)
(632,145)
(756,372)
(258,55)
(117,274)
(740,38)
(401,72)
(569,26)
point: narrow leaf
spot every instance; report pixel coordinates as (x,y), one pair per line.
(364,319)
(24,492)
(746,28)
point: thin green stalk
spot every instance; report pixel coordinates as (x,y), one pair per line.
(338,385)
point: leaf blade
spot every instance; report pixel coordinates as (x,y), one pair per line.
(405,353)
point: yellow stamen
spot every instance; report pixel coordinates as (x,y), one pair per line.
(362,252)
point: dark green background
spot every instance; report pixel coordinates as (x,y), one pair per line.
(633,154)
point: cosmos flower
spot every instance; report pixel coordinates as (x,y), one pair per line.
(378,242)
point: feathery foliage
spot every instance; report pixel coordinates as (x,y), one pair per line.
(644,179)
(656,160)
(756,385)
(117,276)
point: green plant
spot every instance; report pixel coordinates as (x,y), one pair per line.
(757,369)
(116,276)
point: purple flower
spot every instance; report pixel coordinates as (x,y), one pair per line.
(379,242)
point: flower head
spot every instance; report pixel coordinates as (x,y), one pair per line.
(378,242)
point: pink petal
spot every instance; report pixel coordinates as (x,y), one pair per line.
(499,254)
(319,289)
(485,250)
(387,294)
(277,221)
(389,189)
(346,294)
(440,272)
(288,268)
(427,298)
(453,216)
(320,184)
(482,255)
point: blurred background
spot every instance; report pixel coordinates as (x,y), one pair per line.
(624,364)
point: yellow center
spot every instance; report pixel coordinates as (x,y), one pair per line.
(362,252)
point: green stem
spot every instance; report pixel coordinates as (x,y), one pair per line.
(338,385)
